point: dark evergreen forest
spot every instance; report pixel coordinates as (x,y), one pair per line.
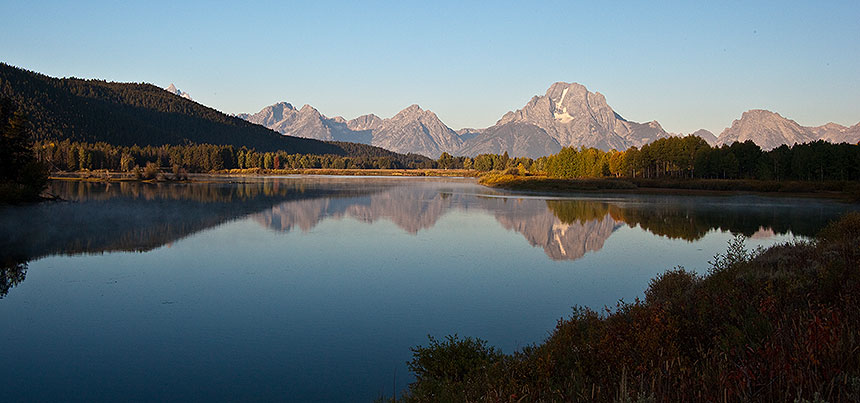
(128,114)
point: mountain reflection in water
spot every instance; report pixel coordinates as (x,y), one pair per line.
(105,217)
(565,228)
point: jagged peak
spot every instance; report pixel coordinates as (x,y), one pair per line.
(279,107)
(283,105)
(306,108)
(413,108)
(368,116)
(758,113)
(561,85)
(560,91)
(365,122)
(833,125)
(176,91)
(412,111)
(753,116)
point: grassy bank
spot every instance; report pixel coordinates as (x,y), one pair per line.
(545,184)
(513,181)
(104,175)
(779,324)
(837,189)
(353,172)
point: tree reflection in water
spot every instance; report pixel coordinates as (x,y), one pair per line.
(104,217)
(12,273)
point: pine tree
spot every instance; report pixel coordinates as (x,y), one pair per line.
(22,177)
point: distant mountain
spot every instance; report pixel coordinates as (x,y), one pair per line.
(412,130)
(770,130)
(469,133)
(365,123)
(767,129)
(705,135)
(417,131)
(173,90)
(836,133)
(285,119)
(517,139)
(142,114)
(574,116)
(568,115)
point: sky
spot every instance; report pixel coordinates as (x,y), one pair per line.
(688,65)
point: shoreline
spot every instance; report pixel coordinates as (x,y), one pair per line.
(533,185)
(850,192)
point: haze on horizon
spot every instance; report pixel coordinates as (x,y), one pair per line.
(688,66)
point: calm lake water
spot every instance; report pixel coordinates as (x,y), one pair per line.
(314,289)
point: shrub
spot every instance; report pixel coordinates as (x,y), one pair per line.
(671,287)
(442,364)
(151,170)
(779,324)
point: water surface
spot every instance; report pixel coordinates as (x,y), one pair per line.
(313,289)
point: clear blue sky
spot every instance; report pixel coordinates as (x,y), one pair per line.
(687,65)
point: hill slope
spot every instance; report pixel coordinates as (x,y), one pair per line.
(142,114)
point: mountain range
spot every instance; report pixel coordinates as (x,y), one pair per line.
(770,130)
(568,114)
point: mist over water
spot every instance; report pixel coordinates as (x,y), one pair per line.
(314,288)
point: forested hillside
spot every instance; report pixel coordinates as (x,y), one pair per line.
(127,114)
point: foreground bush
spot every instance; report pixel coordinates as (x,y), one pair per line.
(781,324)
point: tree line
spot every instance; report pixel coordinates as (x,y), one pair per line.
(693,157)
(670,158)
(69,155)
(682,157)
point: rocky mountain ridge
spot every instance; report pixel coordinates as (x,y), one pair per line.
(568,114)
(574,116)
(770,130)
